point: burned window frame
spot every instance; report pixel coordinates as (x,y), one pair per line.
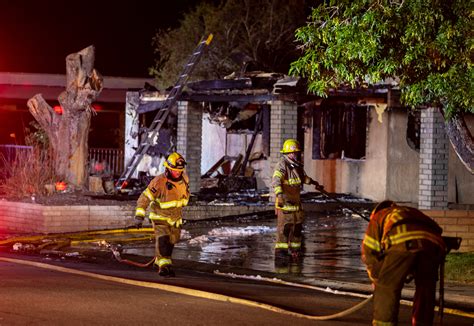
(340,131)
(413,129)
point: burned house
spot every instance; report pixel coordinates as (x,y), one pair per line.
(357,141)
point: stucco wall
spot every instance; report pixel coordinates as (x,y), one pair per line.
(374,167)
(403,162)
(213,143)
(366,178)
(217,143)
(391,167)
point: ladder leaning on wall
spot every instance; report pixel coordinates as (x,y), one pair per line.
(162,114)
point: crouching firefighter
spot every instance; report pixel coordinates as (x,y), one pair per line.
(402,243)
(287,182)
(166,195)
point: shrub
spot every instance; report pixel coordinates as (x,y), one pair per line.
(27,173)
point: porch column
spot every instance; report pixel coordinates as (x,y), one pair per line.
(433,180)
(283,125)
(189,141)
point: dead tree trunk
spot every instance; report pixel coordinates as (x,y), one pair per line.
(462,140)
(68,131)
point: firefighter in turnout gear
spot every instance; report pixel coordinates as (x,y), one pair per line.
(402,243)
(166,195)
(287,181)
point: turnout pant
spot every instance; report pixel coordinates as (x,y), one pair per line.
(289,229)
(419,258)
(166,236)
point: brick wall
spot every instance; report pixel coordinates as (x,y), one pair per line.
(283,125)
(456,223)
(433,176)
(189,140)
(34,218)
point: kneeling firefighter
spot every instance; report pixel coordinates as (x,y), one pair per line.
(402,243)
(287,181)
(166,195)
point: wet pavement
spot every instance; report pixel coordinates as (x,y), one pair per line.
(331,246)
(244,245)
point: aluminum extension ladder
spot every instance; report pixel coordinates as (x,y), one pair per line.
(162,114)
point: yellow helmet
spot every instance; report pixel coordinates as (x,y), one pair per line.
(291,146)
(175,161)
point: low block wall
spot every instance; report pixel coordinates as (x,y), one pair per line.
(456,223)
(17,217)
(34,218)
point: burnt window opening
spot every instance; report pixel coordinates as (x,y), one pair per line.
(241,118)
(339,131)
(166,140)
(413,129)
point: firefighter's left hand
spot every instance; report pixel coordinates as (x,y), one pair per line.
(138,222)
(280,201)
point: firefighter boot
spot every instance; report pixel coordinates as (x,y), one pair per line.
(281,254)
(281,261)
(166,271)
(295,255)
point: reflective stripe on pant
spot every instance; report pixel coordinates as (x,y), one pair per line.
(399,261)
(166,236)
(289,229)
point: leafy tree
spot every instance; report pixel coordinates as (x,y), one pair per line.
(425,44)
(260,32)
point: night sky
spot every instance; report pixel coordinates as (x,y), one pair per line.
(36,36)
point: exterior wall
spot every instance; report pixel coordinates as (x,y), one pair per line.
(34,218)
(456,223)
(374,167)
(366,178)
(391,168)
(213,143)
(402,162)
(190,140)
(18,217)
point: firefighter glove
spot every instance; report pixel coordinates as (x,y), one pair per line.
(138,222)
(279,200)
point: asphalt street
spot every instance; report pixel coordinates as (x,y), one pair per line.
(39,295)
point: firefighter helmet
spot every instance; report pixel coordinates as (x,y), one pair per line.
(382,205)
(175,161)
(291,146)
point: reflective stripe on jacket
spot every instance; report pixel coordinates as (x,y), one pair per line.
(395,225)
(288,180)
(171,221)
(165,197)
